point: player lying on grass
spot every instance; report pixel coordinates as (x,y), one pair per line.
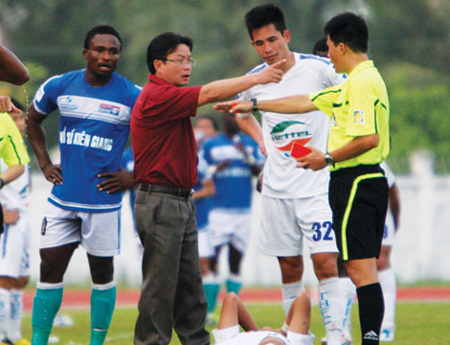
(234,314)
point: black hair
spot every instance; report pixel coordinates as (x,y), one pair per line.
(164,44)
(320,47)
(350,29)
(264,15)
(17,104)
(101,30)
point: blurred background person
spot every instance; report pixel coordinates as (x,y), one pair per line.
(234,159)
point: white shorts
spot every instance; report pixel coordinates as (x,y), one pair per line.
(230,226)
(205,248)
(15,249)
(389,231)
(285,222)
(98,233)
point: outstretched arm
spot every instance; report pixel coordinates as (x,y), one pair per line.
(222,89)
(12,69)
(36,136)
(234,313)
(287,105)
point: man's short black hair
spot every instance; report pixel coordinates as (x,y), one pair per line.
(320,47)
(264,15)
(101,30)
(350,29)
(164,44)
(17,104)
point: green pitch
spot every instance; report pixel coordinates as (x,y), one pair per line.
(417,323)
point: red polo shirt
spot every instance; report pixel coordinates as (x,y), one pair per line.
(162,136)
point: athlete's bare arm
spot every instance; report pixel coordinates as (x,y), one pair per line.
(12,69)
(36,136)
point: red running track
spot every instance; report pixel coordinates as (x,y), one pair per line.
(74,298)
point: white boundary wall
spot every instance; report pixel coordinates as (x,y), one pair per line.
(421,251)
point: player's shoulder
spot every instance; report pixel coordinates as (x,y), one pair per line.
(313,60)
(127,82)
(258,68)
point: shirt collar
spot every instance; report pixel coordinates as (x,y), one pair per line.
(361,66)
(157,80)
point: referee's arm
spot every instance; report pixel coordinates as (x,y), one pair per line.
(355,148)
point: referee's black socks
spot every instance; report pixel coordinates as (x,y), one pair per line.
(371,312)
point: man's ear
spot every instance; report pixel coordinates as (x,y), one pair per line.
(287,35)
(157,64)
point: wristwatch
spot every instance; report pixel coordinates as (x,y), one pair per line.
(329,160)
(255,104)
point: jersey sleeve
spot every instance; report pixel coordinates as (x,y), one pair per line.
(362,109)
(325,99)
(330,77)
(45,100)
(12,147)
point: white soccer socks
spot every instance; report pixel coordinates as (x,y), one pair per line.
(389,286)
(331,307)
(5,306)
(289,293)
(348,295)
(15,316)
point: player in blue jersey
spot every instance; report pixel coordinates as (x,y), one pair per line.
(95,104)
(235,158)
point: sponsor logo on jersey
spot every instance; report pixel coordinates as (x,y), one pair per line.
(358,117)
(67,104)
(286,133)
(108,109)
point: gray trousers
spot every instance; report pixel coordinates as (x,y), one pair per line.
(172,294)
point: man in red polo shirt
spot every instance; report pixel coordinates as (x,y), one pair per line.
(165,168)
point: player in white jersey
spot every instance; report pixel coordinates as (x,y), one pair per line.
(84,205)
(234,314)
(295,201)
(14,247)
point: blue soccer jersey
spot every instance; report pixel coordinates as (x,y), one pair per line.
(234,182)
(203,205)
(93,130)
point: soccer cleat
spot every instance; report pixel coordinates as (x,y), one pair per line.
(387,335)
(6,342)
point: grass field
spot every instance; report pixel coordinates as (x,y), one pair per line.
(417,324)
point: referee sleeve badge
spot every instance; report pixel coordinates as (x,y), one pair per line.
(358,117)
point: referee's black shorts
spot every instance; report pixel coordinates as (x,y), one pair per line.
(358,197)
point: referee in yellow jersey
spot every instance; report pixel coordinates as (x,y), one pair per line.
(12,151)
(358,142)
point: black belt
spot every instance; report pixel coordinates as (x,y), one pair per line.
(180,192)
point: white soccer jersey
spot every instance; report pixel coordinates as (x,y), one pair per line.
(282,179)
(15,195)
